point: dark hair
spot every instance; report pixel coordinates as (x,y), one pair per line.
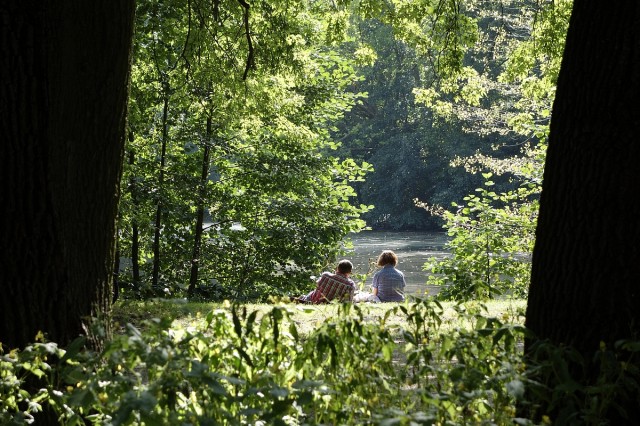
(387,257)
(345,266)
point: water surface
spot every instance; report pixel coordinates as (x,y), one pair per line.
(413,250)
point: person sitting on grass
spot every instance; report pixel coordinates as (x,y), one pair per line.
(332,286)
(388,282)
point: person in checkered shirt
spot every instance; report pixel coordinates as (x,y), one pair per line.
(332,286)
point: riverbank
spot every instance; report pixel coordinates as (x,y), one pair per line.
(412,248)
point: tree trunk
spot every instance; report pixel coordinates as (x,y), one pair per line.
(159,202)
(197,241)
(135,233)
(586,261)
(63,93)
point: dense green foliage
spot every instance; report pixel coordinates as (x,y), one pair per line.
(410,154)
(493,232)
(230,188)
(451,80)
(240,179)
(491,242)
(415,363)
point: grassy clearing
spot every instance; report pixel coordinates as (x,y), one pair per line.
(174,362)
(409,363)
(306,317)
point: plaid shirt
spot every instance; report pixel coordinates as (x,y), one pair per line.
(390,284)
(332,286)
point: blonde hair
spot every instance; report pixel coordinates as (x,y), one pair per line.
(387,257)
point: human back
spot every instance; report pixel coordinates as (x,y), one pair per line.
(388,282)
(332,286)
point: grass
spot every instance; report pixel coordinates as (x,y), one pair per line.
(450,364)
(306,317)
(382,364)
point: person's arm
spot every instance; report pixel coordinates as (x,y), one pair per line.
(346,294)
(318,296)
(352,290)
(374,284)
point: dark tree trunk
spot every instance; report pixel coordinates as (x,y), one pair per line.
(159,202)
(197,241)
(585,280)
(135,233)
(116,275)
(135,254)
(63,93)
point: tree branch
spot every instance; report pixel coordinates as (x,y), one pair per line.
(250,56)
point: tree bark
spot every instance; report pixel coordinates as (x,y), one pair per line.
(63,93)
(159,202)
(586,261)
(197,240)
(135,234)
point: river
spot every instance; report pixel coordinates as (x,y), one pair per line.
(412,248)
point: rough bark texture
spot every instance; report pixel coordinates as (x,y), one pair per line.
(63,92)
(586,262)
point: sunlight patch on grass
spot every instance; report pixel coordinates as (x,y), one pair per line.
(306,317)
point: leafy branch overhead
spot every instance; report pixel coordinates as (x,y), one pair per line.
(247,33)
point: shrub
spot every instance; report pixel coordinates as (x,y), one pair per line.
(412,363)
(492,238)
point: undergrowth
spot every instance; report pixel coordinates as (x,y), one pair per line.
(412,363)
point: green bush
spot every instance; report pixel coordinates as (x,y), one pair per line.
(412,363)
(492,238)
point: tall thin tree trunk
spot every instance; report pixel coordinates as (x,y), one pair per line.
(197,242)
(116,274)
(135,233)
(160,194)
